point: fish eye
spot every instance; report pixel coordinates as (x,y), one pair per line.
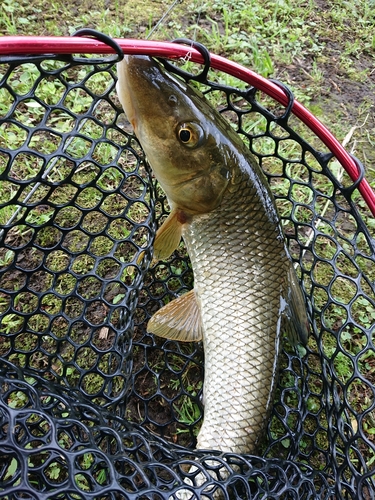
(190,134)
(185,135)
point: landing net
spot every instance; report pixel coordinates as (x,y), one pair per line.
(91,406)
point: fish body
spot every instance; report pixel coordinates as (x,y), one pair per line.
(239,290)
(245,289)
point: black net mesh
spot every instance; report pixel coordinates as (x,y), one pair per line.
(92,406)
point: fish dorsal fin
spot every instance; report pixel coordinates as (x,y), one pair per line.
(178,320)
(168,236)
(295,321)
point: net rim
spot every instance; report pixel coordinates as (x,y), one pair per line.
(38,45)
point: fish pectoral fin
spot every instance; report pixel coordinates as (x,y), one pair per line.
(297,324)
(178,320)
(168,236)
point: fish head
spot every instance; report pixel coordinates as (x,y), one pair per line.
(180,133)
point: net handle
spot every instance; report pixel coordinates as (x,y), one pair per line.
(36,45)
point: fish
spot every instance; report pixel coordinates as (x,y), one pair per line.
(246,294)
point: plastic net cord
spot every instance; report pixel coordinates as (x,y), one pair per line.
(77,208)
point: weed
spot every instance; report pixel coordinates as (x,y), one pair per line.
(11,323)
(188,413)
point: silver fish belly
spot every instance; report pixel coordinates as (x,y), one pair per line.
(239,262)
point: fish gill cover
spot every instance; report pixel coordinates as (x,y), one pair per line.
(92,406)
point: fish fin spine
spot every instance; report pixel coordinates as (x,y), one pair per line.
(296,323)
(168,236)
(179,320)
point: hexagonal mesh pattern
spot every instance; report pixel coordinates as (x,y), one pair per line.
(87,395)
(75,213)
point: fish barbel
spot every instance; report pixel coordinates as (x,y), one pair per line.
(246,293)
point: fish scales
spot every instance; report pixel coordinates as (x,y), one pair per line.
(245,292)
(233,254)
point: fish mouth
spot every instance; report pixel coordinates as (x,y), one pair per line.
(128,76)
(136,75)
